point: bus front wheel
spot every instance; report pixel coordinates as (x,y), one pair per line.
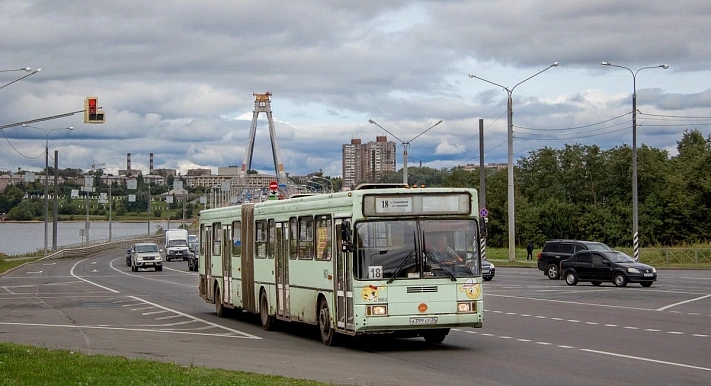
(435,336)
(328,334)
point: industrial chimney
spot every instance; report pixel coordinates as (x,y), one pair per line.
(150,165)
(128,161)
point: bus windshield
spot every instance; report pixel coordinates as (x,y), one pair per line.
(414,249)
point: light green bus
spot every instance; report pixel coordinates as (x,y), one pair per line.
(352,263)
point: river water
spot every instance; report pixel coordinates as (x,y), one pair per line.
(17,238)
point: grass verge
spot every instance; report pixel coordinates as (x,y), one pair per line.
(26,365)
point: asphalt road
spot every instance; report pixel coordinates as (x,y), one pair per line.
(536,331)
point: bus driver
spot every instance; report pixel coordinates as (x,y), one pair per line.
(443,252)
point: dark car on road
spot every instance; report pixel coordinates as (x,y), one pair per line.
(488,270)
(606,266)
(555,251)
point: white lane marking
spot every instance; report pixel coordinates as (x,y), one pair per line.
(596,323)
(240,334)
(632,357)
(570,302)
(153,277)
(194,318)
(154,312)
(646,359)
(8,290)
(167,317)
(165,308)
(684,302)
(141,308)
(71,272)
(34,271)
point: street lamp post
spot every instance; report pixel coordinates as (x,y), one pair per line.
(635,212)
(405,144)
(330,185)
(46,176)
(27,69)
(509,114)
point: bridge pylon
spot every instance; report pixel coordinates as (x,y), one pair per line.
(262,104)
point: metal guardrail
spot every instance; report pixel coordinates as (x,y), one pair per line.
(83,250)
(672,255)
(676,255)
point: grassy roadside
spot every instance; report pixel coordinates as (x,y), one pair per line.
(26,365)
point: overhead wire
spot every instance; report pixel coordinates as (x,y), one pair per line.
(18,151)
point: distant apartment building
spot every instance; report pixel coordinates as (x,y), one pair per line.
(367,162)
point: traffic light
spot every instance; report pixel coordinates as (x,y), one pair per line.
(92,111)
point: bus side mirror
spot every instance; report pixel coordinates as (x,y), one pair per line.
(482,226)
(346,242)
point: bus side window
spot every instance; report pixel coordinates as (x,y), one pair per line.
(293,239)
(236,239)
(216,239)
(306,238)
(260,239)
(324,243)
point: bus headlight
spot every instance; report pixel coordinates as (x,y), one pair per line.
(377,310)
(466,307)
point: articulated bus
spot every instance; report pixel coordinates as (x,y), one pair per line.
(351,263)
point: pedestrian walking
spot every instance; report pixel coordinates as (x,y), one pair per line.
(529,251)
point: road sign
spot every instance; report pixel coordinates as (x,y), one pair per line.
(484,212)
(273,185)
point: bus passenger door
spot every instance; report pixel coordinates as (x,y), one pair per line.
(343,283)
(227,264)
(206,251)
(282,270)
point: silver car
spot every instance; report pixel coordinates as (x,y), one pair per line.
(146,255)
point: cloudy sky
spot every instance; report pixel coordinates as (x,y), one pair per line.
(176,78)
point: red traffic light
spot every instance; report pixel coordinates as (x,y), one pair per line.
(91,105)
(92,111)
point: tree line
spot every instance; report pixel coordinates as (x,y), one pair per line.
(583,192)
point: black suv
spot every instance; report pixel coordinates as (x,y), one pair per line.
(555,251)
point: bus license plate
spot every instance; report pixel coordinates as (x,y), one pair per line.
(427,320)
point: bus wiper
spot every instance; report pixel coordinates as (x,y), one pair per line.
(401,266)
(430,255)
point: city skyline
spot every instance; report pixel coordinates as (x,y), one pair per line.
(177,79)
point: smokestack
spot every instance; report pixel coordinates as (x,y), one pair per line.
(150,165)
(128,161)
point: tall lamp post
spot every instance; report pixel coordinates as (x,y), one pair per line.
(26,69)
(405,144)
(46,175)
(635,213)
(509,113)
(330,185)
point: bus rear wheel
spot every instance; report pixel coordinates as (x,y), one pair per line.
(267,320)
(328,334)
